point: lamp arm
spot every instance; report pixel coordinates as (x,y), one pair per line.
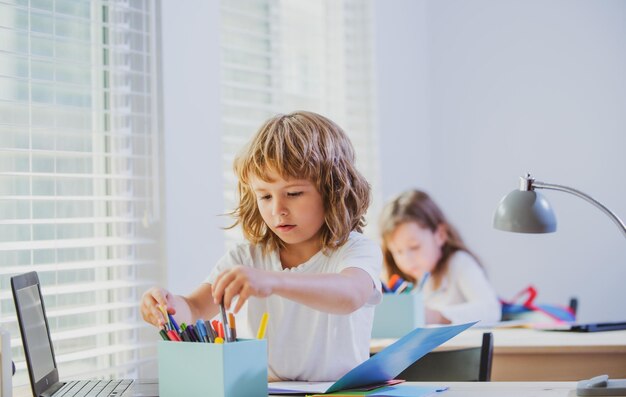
(576,192)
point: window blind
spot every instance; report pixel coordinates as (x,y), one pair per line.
(280,56)
(79,176)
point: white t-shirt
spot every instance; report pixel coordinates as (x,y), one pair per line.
(464,294)
(304,343)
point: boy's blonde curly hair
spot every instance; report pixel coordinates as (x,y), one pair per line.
(303,145)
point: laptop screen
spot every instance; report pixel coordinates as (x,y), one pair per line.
(35,330)
(33,324)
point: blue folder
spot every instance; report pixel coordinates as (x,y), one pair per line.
(381,367)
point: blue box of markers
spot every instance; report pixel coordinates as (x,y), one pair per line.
(398,314)
(193,369)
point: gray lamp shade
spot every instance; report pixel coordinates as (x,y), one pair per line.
(524,211)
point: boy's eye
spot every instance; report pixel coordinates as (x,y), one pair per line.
(294,194)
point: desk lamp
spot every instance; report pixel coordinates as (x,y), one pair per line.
(527,211)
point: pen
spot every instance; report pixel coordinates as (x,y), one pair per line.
(392,281)
(232,326)
(403,286)
(193,333)
(173,322)
(220,331)
(210,331)
(227,337)
(203,331)
(397,284)
(173,336)
(162,309)
(164,334)
(261,332)
(420,287)
(185,336)
(216,328)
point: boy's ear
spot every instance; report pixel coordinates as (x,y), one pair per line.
(441,235)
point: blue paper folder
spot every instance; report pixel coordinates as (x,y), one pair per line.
(381,367)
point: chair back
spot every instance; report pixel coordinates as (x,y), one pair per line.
(461,365)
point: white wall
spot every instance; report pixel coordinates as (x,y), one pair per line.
(192,130)
(472,94)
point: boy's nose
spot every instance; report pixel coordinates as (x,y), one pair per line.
(278,208)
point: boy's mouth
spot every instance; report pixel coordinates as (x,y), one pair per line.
(285,227)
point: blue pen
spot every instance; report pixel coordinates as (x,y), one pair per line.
(397,284)
(203,332)
(420,287)
(173,322)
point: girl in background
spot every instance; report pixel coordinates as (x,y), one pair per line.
(417,239)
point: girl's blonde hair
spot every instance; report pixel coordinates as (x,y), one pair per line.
(303,145)
(417,206)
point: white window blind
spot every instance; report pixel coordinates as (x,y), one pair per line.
(280,56)
(79,177)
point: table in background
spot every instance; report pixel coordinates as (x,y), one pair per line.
(521,354)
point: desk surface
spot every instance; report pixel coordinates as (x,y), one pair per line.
(531,355)
(507,389)
(476,389)
(513,340)
(504,389)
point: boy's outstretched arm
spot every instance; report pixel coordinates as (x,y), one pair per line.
(337,293)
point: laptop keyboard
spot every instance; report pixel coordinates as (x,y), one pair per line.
(94,388)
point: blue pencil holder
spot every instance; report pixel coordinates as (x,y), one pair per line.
(397,315)
(192,369)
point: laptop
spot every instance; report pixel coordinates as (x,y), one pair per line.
(40,360)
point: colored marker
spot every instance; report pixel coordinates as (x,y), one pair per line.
(219,340)
(173,336)
(162,309)
(397,285)
(164,334)
(227,336)
(173,322)
(420,287)
(216,328)
(203,331)
(194,333)
(185,336)
(402,287)
(210,331)
(220,331)
(261,332)
(392,281)
(232,326)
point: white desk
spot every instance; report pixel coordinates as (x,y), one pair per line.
(504,389)
(473,389)
(530,355)
(507,389)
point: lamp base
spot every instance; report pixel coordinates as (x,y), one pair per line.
(601,386)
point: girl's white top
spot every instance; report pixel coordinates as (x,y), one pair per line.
(304,343)
(464,294)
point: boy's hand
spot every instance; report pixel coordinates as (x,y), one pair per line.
(244,282)
(150,302)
